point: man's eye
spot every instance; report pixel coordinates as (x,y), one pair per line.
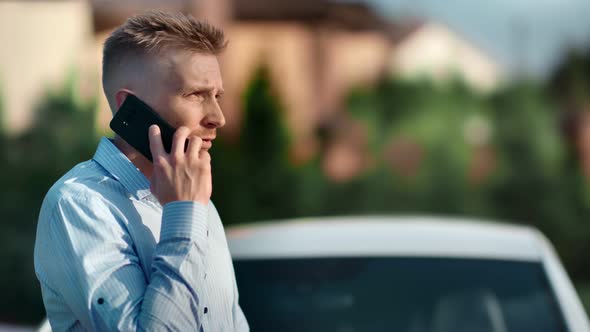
(197,95)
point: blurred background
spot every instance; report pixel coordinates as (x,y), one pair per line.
(461,108)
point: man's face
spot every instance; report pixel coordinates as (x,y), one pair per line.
(185,90)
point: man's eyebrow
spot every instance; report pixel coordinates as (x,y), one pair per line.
(202,88)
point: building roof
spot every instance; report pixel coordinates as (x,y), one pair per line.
(355,16)
(399,31)
(107,14)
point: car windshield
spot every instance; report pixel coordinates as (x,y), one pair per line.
(396,294)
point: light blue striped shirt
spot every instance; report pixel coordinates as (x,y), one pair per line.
(109,257)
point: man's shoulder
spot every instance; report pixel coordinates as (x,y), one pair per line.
(85,181)
(83,198)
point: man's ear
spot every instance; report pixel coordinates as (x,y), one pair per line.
(121,95)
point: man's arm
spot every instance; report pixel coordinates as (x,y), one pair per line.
(85,253)
(105,285)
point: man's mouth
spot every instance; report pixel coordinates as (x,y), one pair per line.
(207,143)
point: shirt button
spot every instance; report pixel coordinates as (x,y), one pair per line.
(207,232)
(206,310)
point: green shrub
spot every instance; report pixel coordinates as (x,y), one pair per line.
(61,136)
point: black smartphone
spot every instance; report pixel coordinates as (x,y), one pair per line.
(132,122)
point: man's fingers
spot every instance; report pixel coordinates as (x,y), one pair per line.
(194,146)
(205,157)
(178,143)
(156,146)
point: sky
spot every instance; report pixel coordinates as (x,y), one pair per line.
(525,36)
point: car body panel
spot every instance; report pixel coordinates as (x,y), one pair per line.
(383,236)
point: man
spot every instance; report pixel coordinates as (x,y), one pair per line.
(123,244)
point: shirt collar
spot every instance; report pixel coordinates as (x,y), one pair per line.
(122,169)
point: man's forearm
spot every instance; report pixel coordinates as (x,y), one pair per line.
(172,298)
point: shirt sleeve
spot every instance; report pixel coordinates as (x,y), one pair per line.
(88,256)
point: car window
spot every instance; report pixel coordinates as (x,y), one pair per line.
(396,294)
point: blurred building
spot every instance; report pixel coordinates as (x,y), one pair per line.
(315,51)
(42,41)
(433,50)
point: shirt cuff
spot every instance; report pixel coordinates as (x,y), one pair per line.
(184,219)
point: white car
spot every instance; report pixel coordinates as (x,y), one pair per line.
(414,274)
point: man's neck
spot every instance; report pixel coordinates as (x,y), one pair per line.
(141,162)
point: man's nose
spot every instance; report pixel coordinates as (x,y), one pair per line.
(214,117)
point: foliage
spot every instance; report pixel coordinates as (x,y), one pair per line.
(2,115)
(61,136)
(529,179)
(570,83)
(249,174)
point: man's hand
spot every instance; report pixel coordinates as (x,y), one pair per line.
(180,175)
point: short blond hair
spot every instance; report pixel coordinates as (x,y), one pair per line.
(154,32)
